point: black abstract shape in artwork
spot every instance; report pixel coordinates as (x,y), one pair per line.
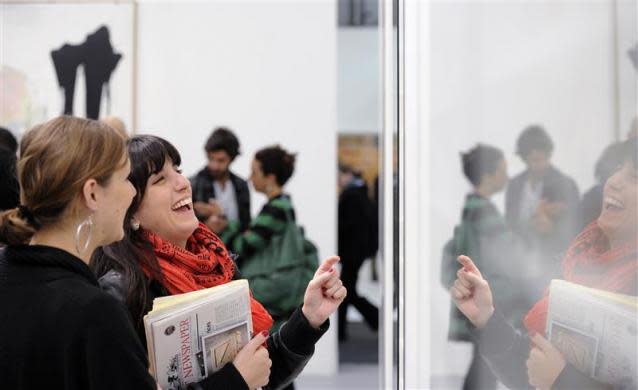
(99,60)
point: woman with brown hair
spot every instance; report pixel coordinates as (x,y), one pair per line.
(603,256)
(57,328)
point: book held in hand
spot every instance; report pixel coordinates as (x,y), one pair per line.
(192,335)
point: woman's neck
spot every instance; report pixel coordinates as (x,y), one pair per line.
(61,238)
(616,241)
(181,244)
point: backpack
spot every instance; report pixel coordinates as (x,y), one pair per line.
(279,273)
(463,242)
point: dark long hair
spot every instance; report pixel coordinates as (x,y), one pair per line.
(147,154)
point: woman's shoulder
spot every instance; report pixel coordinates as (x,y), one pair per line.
(114,284)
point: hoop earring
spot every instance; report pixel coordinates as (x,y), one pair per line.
(87,223)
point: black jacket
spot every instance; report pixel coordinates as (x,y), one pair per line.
(357,222)
(203,190)
(290,348)
(59,330)
(557,187)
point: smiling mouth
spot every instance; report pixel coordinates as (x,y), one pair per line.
(612,204)
(185,204)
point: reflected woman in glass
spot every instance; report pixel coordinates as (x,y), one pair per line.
(603,256)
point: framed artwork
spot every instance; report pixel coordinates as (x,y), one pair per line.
(66,58)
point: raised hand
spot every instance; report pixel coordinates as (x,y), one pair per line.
(324,293)
(253,362)
(471,293)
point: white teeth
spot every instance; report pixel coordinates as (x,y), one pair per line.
(182,203)
(614,202)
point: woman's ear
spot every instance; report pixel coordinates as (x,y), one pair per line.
(90,194)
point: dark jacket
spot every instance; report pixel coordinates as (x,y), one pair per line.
(357,219)
(203,190)
(290,348)
(557,187)
(59,330)
(484,236)
(506,351)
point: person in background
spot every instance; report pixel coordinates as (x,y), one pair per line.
(167,251)
(58,329)
(484,236)
(221,198)
(8,141)
(607,164)
(271,169)
(603,256)
(542,206)
(9,187)
(357,219)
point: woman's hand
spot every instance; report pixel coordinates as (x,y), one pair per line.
(545,363)
(471,293)
(324,294)
(253,362)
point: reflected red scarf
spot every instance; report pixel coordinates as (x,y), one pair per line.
(204,263)
(591,262)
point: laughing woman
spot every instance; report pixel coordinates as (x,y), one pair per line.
(603,256)
(167,251)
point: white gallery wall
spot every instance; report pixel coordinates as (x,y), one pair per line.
(482,71)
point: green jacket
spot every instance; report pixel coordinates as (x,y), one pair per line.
(484,236)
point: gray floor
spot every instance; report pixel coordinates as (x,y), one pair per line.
(358,363)
(350,376)
(366,376)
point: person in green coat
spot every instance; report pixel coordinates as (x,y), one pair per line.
(484,234)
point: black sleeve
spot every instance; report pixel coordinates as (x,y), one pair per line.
(228,378)
(291,348)
(505,350)
(114,356)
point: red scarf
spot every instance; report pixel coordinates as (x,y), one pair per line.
(591,262)
(204,263)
